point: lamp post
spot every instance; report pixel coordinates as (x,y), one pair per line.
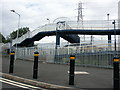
(108,19)
(114,36)
(109,36)
(108,16)
(115,64)
(18,25)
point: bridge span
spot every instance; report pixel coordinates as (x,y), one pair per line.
(69,31)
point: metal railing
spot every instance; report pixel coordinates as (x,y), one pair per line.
(86,24)
(89,55)
(99,55)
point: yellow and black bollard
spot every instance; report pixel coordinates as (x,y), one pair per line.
(11,67)
(72,69)
(116,73)
(35,67)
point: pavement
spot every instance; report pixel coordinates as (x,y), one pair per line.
(57,76)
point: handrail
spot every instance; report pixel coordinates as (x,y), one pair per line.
(87,24)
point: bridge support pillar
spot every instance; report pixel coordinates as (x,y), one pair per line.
(56,48)
(57,40)
(109,39)
(109,46)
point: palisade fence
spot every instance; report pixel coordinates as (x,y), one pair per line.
(86,55)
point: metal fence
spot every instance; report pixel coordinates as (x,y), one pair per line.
(86,55)
(45,54)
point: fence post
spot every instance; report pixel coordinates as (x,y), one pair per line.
(116,73)
(35,67)
(12,57)
(72,68)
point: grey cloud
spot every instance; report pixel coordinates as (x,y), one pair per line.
(34,12)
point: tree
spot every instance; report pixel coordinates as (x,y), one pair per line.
(8,39)
(22,31)
(2,39)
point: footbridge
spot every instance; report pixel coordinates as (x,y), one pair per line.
(69,30)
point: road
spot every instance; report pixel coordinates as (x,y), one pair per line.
(8,86)
(58,74)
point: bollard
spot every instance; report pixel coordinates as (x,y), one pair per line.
(116,73)
(11,67)
(35,67)
(72,68)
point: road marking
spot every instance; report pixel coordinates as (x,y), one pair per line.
(18,84)
(51,85)
(80,72)
(13,84)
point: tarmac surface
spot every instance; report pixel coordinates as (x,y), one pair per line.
(8,86)
(85,77)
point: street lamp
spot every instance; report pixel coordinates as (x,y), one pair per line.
(48,20)
(18,25)
(18,20)
(108,16)
(108,19)
(109,36)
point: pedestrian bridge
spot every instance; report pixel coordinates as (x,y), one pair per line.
(69,31)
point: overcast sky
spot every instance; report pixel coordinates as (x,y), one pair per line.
(34,13)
